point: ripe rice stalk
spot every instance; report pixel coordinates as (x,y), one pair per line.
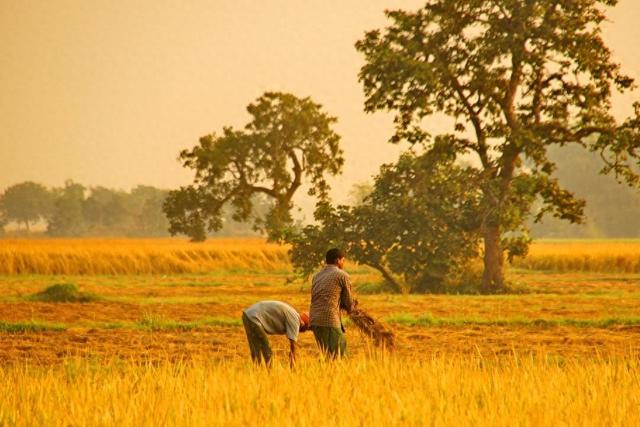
(381,335)
(439,390)
(597,256)
(138,256)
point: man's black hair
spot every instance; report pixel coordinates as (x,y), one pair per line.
(334,255)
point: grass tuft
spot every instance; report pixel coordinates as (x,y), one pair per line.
(64,292)
(155,322)
(429,320)
(31,326)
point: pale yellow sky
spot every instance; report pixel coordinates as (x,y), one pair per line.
(108,92)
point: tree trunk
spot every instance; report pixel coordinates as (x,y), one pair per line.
(389,278)
(492,277)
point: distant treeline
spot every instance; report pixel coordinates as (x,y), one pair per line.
(76,210)
(612,210)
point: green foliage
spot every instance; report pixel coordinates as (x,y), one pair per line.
(417,227)
(3,223)
(427,320)
(67,218)
(31,326)
(148,218)
(288,140)
(106,209)
(370,288)
(75,210)
(514,86)
(156,322)
(138,213)
(64,292)
(611,211)
(25,203)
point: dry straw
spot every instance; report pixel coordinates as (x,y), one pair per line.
(381,335)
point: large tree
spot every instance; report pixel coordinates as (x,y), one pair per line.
(288,140)
(25,203)
(514,77)
(416,226)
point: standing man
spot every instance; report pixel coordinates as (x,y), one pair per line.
(273,318)
(330,293)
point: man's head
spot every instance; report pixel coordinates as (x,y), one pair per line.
(335,257)
(304,322)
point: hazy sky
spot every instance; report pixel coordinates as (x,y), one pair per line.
(108,92)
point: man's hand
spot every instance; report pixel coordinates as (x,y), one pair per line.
(292,353)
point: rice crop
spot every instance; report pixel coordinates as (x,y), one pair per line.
(461,391)
(606,256)
(177,256)
(138,256)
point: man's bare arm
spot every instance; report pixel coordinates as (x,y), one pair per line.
(292,352)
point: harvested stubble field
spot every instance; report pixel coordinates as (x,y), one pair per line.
(157,346)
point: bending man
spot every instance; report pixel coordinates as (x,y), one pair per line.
(272,318)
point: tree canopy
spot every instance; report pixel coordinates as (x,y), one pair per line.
(416,226)
(25,203)
(67,217)
(515,77)
(611,211)
(75,210)
(288,141)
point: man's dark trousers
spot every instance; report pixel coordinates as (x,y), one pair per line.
(331,341)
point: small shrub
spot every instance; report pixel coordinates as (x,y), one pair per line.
(64,292)
(30,326)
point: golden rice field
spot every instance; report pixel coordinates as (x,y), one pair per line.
(591,255)
(160,341)
(138,256)
(175,256)
(437,391)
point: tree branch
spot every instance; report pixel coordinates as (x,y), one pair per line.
(474,116)
(297,175)
(268,191)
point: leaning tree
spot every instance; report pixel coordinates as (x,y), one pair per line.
(289,141)
(514,77)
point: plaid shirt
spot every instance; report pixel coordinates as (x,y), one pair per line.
(330,292)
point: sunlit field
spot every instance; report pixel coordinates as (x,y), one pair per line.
(607,256)
(140,256)
(158,340)
(173,256)
(426,390)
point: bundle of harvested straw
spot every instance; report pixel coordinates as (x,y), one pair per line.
(381,335)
